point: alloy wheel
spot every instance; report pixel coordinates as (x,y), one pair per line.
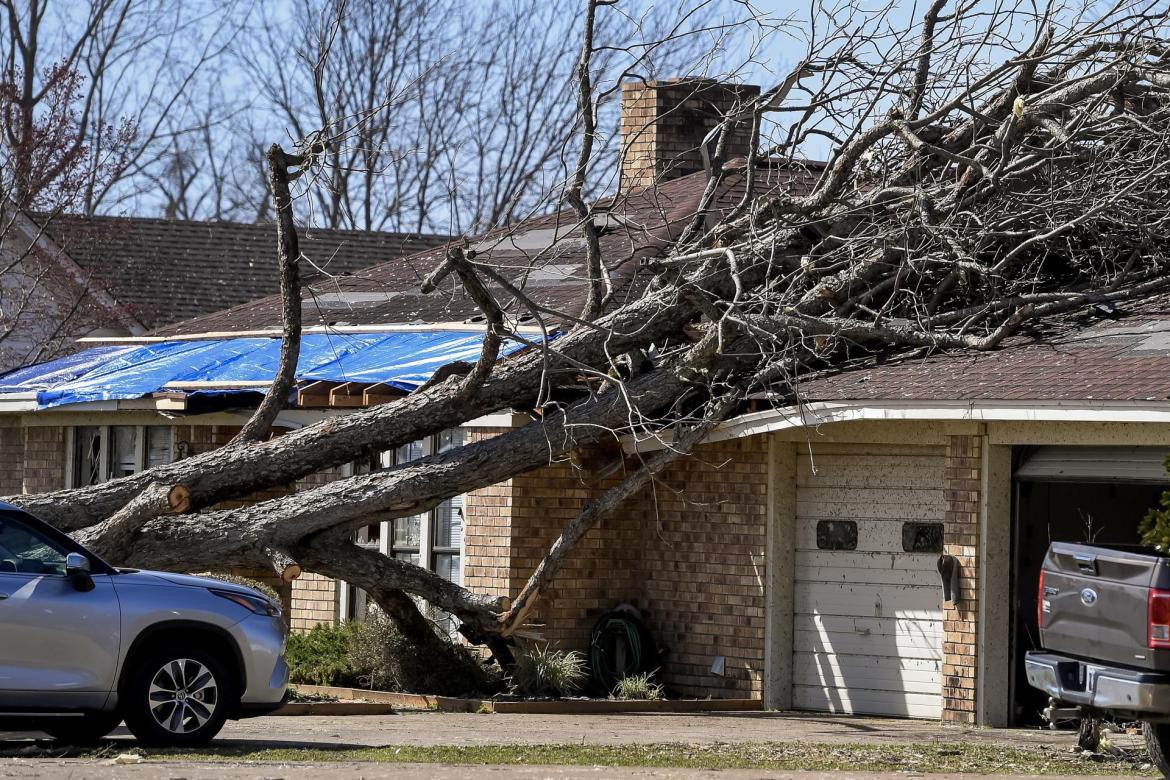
(183,696)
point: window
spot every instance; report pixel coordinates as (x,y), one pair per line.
(432,539)
(922,537)
(103,452)
(24,551)
(836,535)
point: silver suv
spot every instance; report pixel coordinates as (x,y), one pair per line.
(84,645)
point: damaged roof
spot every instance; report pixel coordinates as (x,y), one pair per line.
(163,270)
(1121,355)
(544,256)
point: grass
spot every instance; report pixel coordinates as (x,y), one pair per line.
(925,757)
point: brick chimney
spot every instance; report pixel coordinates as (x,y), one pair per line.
(663,124)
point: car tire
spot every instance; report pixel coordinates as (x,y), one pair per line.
(84,731)
(1158,745)
(177,696)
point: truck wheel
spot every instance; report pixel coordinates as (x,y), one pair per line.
(177,697)
(1089,734)
(85,730)
(1158,745)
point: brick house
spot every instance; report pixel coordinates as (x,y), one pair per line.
(794,556)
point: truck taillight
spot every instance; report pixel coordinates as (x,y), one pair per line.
(1042,605)
(1158,623)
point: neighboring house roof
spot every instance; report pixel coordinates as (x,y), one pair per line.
(544,256)
(1122,358)
(164,271)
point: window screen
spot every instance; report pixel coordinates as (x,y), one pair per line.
(836,535)
(922,537)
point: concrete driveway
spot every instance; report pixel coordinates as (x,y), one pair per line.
(424,728)
(428,728)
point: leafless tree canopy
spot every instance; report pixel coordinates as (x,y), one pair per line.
(988,167)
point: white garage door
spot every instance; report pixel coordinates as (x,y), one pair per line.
(867,617)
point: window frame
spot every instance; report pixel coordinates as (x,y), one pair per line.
(350,599)
(140,450)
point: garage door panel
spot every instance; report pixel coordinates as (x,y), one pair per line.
(864,472)
(873,536)
(861,701)
(870,673)
(860,559)
(913,646)
(816,509)
(871,497)
(871,576)
(894,601)
(867,626)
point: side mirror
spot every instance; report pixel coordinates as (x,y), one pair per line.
(77,569)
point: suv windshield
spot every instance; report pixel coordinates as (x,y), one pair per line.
(23,550)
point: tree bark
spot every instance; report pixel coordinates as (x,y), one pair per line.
(288,255)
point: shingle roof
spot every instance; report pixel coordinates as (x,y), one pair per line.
(164,271)
(1088,358)
(543,255)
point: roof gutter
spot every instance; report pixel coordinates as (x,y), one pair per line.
(819,413)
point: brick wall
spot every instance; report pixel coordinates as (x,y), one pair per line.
(11,460)
(599,575)
(44,459)
(705,541)
(314,600)
(663,124)
(689,553)
(960,539)
(487,531)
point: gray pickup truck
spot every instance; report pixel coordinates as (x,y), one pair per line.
(1104,617)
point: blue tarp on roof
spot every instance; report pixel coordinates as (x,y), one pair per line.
(401,359)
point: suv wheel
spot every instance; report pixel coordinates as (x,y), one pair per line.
(177,697)
(85,730)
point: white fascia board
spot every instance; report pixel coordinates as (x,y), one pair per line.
(498,420)
(18,402)
(827,412)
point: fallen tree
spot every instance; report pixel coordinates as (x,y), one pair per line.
(973,190)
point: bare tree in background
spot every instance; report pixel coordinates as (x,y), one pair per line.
(483,99)
(991,168)
(90,63)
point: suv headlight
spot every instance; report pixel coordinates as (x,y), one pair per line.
(257,604)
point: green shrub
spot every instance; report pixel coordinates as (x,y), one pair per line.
(322,656)
(235,579)
(540,671)
(1155,526)
(638,687)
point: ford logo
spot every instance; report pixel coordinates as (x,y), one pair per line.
(1088,597)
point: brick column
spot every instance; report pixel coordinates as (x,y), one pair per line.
(960,539)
